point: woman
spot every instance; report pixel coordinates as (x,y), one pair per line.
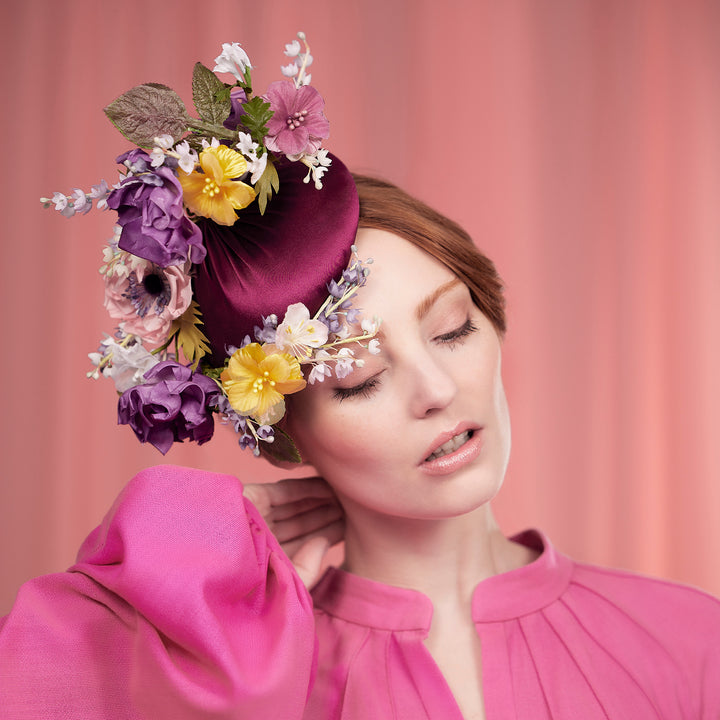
(182,604)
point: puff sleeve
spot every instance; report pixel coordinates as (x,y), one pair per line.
(181,605)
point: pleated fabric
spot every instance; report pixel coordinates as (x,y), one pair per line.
(559,640)
(182,606)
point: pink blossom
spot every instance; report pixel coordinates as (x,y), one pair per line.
(298,125)
(148,299)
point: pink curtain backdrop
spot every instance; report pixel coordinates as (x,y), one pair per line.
(579,143)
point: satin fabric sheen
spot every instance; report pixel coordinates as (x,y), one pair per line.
(182,605)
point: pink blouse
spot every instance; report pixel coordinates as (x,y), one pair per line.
(182,605)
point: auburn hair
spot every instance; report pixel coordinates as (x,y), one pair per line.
(384,206)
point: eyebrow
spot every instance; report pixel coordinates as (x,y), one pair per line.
(426,304)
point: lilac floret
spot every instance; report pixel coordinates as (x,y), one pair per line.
(335,290)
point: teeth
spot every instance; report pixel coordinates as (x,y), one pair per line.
(450,446)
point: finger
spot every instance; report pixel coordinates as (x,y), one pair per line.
(334,533)
(294,489)
(305,524)
(308,559)
(283,512)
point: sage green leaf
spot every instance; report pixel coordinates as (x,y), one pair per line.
(264,187)
(257,114)
(282,448)
(211,102)
(147,111)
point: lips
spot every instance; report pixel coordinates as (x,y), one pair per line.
(449,442)
(450,446)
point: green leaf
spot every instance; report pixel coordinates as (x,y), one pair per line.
(268,182)
(282,448)
(147,111)
(212,104)
(257,114)
(190,337)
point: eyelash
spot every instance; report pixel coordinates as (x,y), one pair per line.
(365,389)
(457,336)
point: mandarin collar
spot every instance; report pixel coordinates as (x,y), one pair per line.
(498,598)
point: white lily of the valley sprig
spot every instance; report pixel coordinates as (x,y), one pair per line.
(302,60)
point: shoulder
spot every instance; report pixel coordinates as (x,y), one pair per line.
(654,600)
(669,627)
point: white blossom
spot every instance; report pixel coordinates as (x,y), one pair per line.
(319,373)
(292,49)
(157,157)
(374,346)
(127,365)
(369,326)
(164,141)
(233,59)
(290,70)
(318,165)
(80,202)
(187,157)
(297,332)
(248,147)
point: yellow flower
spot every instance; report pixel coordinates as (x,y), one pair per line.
(257,379)
(213,193)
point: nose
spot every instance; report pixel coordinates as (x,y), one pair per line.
(432,388)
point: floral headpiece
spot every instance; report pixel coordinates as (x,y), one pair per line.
(183,170)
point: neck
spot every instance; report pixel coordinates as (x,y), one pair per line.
(443,558)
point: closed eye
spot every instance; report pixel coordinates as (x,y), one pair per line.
(457,336)
(364,389)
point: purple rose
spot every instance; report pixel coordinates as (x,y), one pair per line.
(151,214)
(174,404)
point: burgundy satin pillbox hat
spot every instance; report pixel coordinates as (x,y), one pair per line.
(264,263)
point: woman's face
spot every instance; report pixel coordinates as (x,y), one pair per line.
(422,430)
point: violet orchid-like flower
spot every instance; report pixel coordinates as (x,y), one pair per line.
(173,404)
(298,125)
(151,214)
(238,97)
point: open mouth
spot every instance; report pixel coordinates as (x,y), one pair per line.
(451,445)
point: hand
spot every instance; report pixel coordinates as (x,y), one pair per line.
(305,517)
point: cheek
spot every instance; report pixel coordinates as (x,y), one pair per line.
(336,437)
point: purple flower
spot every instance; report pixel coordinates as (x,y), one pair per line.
(298,125)
(151,214)
(174,404)
(237,99)
(335,289)
(266,333)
